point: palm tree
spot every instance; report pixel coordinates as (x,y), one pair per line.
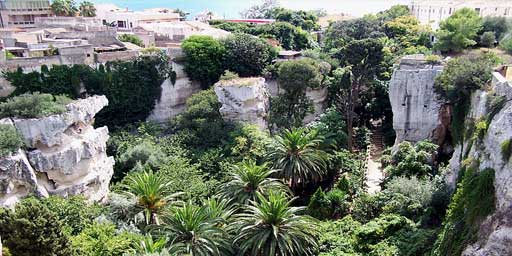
(193,232)
(272,227)
(296,154)
(152,191)
(147,245)
(247,180)
(63,7)
(87,9)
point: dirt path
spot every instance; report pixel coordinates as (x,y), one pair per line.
(374,174)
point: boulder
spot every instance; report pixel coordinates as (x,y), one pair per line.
(65,156)
(244,100)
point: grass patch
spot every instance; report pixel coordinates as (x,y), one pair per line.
(473,201)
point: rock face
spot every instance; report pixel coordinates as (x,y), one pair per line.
(65,156)
(495,234)
(173,99)
(244,100)
(418,112)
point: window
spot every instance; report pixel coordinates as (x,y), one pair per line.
(450,10)
(477,10)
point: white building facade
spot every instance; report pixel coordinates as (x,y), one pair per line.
(125,19)
(432,12)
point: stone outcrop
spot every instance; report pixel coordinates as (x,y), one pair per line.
(174,96)
(418,112)
(495,233)
(244,100)
(64,156)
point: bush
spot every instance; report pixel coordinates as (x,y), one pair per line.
(228,75)
(506,45)
(459,31)
(74,212)
(33,105)
(131,39)
(506,149)
(10,140)
(248,142)
(103,239)
(433,59)
(33,229)
(409,160)
(488,39)
(144,153)
(247,55)
(204,59)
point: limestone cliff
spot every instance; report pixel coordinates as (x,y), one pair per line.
(64,156)
(495,234)
(244,100)
(418,112)
(174,96)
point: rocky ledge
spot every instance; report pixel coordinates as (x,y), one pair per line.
(244,100)
(64,156)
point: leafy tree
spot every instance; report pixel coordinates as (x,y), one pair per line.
(194,232)
(64,7)
(291,107)
(341,33)
(303,19)
(204,59)
(33,229)
(297,156)
(259,11)
(488,39)
(87,9)
(362,59)
(499,25)
(152,192)
(131,39)
(289,36)
(10,140)
(408,31)
(247,55)
(248,142)
(273,227)
(249,179)
(459,31)
(396,11)
(332,127)
(327,205)
(461,77)
(144,153)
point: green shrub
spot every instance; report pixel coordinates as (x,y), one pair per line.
(506,44)
(33,105)
(103,239)
(473,201)
(131,39)
(433,59)
(10,140)
(228,75)
(247,55)
(33,229)
(506,149)
(488,39)
(459,31)
(480,130)
(204,59)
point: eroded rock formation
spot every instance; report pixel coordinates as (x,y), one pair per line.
(174,96)
(64,156)
(244,100)
(495,233)
(418,112)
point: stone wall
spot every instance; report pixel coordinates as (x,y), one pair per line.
(64,156)
(418,112)
(105,57)
(244,100)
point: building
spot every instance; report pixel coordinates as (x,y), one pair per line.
(124,19)
(22,13)
(432,12)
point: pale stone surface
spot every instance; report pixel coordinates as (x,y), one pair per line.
(495,234)
(174,96)
(244,100)
(65,156)
(417,109)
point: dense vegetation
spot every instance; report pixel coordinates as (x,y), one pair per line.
(201,185)
(132,88)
